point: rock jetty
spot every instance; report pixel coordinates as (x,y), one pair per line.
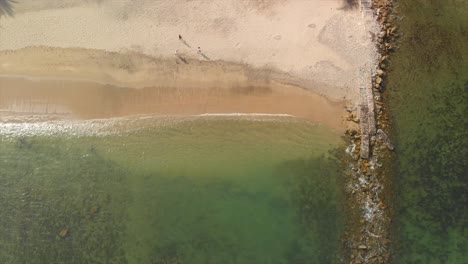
(368,238)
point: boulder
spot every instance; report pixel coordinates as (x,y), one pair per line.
(381,134)
(382,34)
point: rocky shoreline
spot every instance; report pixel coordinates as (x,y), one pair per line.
(370,149)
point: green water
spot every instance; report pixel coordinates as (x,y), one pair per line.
(199,190)
(428,90)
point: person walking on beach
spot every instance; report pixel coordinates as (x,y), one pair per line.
(180,37)
(199,50)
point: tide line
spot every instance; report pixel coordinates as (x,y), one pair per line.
(245,114)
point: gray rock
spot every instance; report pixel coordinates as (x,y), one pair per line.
(381,134)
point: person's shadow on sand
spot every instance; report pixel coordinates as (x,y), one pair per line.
(181,40)
(204,56)
(182,59)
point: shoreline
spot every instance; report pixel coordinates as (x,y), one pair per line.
(368,235)
(53,82)
(308,49)
(14,127)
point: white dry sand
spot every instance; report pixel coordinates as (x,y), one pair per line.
(317,45)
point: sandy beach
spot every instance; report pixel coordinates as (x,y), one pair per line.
(282,57)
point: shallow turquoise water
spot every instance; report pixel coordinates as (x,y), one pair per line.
(428,90)
(197,190)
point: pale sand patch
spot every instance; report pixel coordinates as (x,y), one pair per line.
(313,43)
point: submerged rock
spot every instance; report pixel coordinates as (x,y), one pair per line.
(64,232)
(94,210)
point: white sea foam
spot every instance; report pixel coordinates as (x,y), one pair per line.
(48,125)
(351,148)
(245,114)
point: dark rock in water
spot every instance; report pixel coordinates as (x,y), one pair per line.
(385,138)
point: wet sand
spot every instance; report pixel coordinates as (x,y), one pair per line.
(74,98)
